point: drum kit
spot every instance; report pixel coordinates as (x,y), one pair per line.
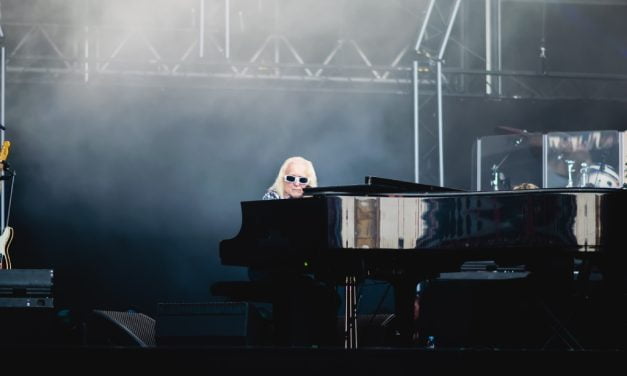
(592,175)
(585,155)
(598,175)
(571,159)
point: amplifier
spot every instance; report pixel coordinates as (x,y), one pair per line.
(26,288)
(210,323)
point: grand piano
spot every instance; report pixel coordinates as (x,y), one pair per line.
(404,232)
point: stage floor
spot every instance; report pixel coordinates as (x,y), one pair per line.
(388,361)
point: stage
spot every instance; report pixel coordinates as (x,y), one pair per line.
(306,361)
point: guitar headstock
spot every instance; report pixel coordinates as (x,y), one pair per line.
(4,152)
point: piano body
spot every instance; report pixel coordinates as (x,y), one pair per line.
(404,232)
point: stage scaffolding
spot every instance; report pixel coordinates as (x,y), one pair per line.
(426,48)
(442,50)
(213,43)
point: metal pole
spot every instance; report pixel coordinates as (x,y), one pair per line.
(440,124)
(499,45)
(201,30)
(277,45)
(478,161)
(86,45)
(462,44)
(2,124)
(439,89)
(545,161)
(488,46)
(416,125)
(423,29)
(227,29)
(449,28)
(621,155)
(86,73)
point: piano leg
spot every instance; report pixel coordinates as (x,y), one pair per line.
(350,313)
(404,300)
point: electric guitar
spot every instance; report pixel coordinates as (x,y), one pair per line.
(5,242)
(7,232)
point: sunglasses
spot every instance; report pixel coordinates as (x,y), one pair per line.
(296,179)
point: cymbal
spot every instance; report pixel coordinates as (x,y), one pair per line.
(510,130)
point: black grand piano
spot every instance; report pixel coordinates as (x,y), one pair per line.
(404,232)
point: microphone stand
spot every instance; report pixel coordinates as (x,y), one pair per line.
(496,182)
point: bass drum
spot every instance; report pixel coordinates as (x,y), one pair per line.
(600,176)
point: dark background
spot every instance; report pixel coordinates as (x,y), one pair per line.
(126,191)
(129,212)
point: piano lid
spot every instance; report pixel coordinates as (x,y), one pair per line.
(376,185)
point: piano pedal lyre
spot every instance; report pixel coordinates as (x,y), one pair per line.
(350,313)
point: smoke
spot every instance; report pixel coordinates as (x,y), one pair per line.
(127,182)
(155,178)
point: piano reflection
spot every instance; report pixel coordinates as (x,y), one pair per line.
(404,232)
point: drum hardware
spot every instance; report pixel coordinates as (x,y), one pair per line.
(591,175)
(498,180)
(583,174)
(571,169)
(598,175)
(494,183)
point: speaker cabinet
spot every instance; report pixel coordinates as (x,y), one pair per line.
(113,328)
(208,324)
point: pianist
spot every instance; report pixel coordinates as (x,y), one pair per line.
(295,174)
(305,309)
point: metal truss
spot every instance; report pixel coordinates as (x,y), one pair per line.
(445,58)
(431,44)
(254,43)
(313,45)
(216,46)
